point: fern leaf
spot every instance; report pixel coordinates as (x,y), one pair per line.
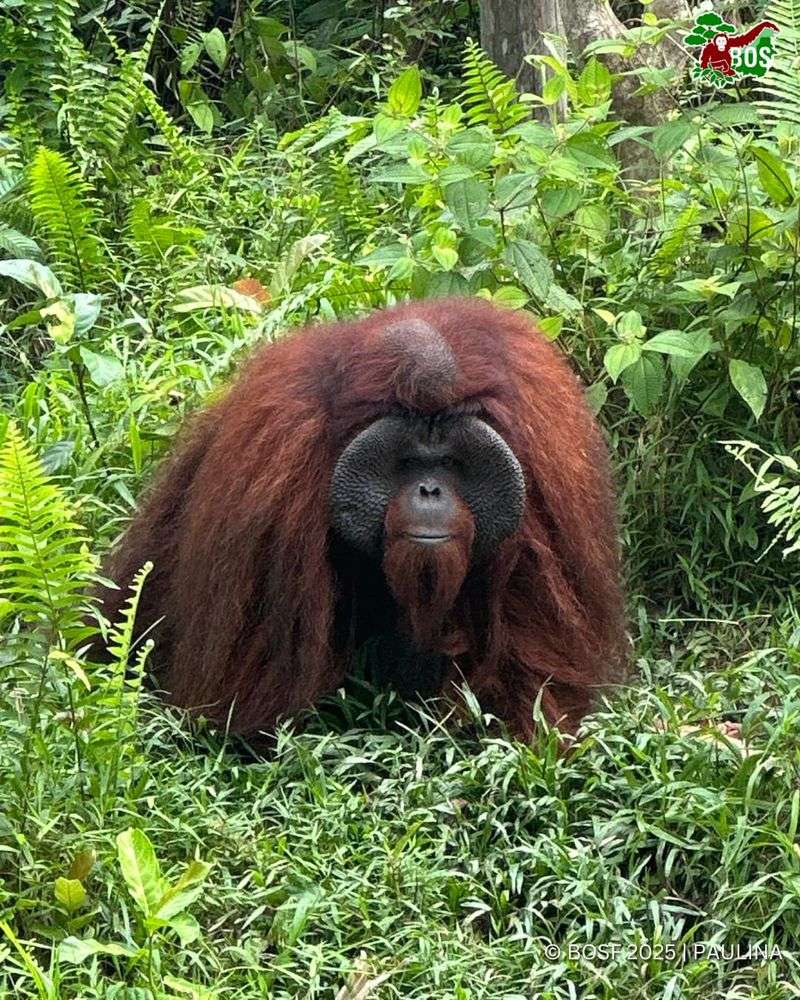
(781,85)
(61,206)
(13,244)
(491,97)
(50,50)
(44,563)
(121,636)
(185,157)
(124,97)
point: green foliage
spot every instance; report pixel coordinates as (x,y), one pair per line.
(777,481)
(490,97)
(62,207)
(781,86)
(16,244)
(44,564)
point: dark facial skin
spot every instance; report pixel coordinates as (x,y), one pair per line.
(428,487)
(426,465)
(422,499)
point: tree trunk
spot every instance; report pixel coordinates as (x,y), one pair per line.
(511,30)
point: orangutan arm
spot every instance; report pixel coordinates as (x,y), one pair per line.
(737,41)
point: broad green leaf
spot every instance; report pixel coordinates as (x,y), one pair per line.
(678,343)
(140,869)
(33,274)
(405,93)
(773,176)
(748,380)
(510,296)
(446,256)
(189,56)
(736,114)
(186,927)
(473,146)
(54,459)
(384,256)
(214,297)
(515,190)
(704,344)
(398,173)
(202,116)
(183,892)
(560,201)
(82,863)
(531,266)
(216,46)
(619,357)
(554,87)
(630,325)
(63,329)
(594,221)
(606,316)
(455,172)
(748,225)
(560,300)
(468,201)
(87,309)
(73,665)
(191,990)
(75,950)
(707,288)
(103,368)
(301,56)
(70,893)
(643,382)
(670,137)
(551,326)
(594,83)
(596,396)
(590,151)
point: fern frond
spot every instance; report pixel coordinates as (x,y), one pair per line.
(44,563)
(124,97)
(121,637)
(186,158)
(345,205)
(191,16)
(49,52)
(781,85)
(490,97)
(61,206)
(13,244)
(10,183)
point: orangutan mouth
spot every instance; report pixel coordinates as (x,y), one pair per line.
(428,539)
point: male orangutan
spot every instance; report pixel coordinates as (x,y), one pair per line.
(428,478)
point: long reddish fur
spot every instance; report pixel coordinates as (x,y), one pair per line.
(237,524)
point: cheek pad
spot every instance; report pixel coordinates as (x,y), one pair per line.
(494,487)
(359,501)
(361,485)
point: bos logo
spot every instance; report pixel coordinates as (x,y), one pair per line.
(723,55)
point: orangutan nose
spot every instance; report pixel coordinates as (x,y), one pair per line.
(429,489)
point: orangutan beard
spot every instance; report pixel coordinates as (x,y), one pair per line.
(425,580)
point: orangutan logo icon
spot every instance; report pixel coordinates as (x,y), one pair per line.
(726,56)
